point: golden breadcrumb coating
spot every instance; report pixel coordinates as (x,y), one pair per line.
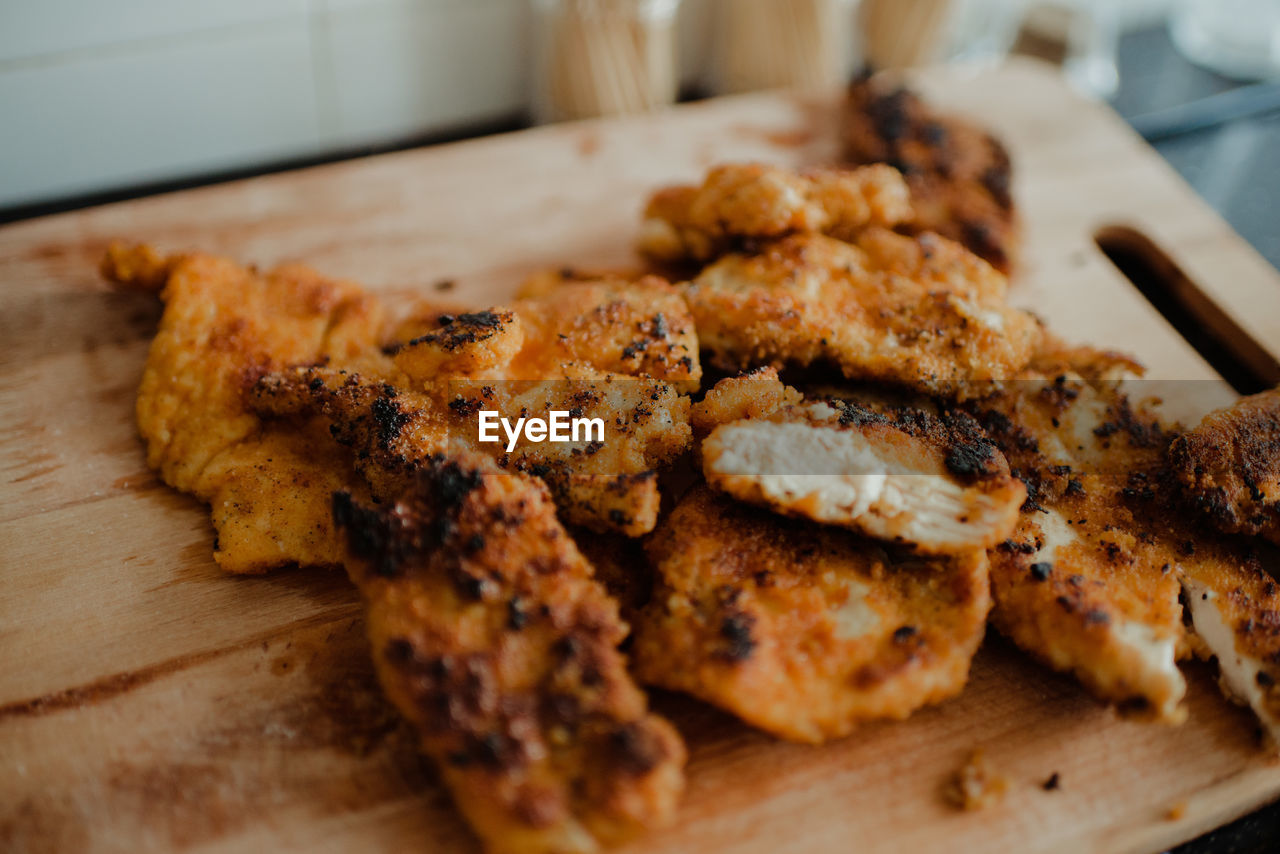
(543,282)
(920,312)
(801,629)
(492,638)
(641,328)
(223,327)
(614,351)
(608,484)
(1233,599)
(752,201)
(960,176)
(1229,466)
(753,394)
(1085,583)
(935,482)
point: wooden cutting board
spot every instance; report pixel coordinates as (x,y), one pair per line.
(148,702)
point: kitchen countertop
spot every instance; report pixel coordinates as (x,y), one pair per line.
(1235,166)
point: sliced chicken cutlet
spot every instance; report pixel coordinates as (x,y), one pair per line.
(935,482)
(1229,466)
(223,327)
(801,629)
(1234,602)
(615,352)
(1086,583)
(751,201)
(1082,586)
(923,312)
(493,639)
(959,175)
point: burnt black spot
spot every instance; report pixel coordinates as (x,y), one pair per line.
(464,329)
(496,750)
(389,420)
(970,460)
(464,407)
(517,618)
(1041,570)
(362,526)
(637,346)
(637,749)
(450,483)
(470,586)
(736,629)
(902,634)
(933,133)
(996,180)
(399,651)
(1014,547)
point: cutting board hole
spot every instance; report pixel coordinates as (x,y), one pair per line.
(1232,352)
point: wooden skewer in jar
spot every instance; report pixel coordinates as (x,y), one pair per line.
(903,33)
(765,44)
(604,57)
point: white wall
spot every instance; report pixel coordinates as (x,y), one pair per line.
(98,95)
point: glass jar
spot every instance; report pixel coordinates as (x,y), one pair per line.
(603,57)
(767,44)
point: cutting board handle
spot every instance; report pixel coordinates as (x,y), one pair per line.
(1241,360)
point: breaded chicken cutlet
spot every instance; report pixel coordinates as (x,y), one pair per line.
(1233,600)
(224,326)
(742,203)
(603,485)
(231,337)
(959,175)
(1084,584)
(639,328)
(920,312)
(801,629)
(1229,466)
(493,639)
(935,482)
(1090,581)
(614,351)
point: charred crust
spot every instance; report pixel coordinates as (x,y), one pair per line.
(517,617)
(463,329)
(735,629)
(972,459)
(449,483)
(1015,547)
(465,407)
(389,420)
(637,749)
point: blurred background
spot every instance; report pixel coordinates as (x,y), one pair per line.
(104,100)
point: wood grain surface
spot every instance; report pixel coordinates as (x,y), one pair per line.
(148,702)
